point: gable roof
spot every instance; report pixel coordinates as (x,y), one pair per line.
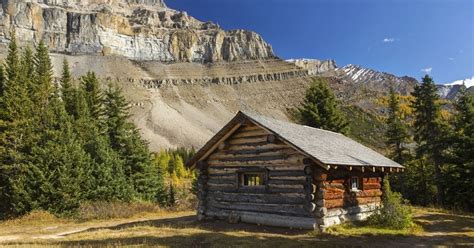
(326,147)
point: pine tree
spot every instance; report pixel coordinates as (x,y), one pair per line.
(28,69)
(67,90)
(62,160)
(43,77)
(428,129)
(396,132)
(12,62)
(171,196)
(2,84)
(94,96)
(320,109)
(16,139)
(125,139)
(460,172)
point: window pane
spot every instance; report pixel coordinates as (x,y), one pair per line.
(252,179)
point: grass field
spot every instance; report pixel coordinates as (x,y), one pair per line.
(181,229)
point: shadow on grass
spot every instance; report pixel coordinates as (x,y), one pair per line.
(436,222)
(227,240)
(222,234)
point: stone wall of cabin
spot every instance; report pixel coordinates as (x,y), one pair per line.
(286,199)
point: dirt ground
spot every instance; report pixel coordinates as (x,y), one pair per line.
(181,229)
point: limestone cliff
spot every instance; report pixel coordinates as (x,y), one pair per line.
(136,29)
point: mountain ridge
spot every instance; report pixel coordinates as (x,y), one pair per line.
(136,29)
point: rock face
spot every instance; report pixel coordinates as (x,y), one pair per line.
(314,66)
(136,29)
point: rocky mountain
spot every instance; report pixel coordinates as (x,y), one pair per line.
(136,29)
(314,66)
(357,75)
(186,78)
(451,90)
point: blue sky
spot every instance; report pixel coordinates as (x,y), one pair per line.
(403,37)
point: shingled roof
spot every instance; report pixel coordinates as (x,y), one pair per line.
(324,146)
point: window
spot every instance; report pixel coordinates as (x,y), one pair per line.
(252,179)
(355,184)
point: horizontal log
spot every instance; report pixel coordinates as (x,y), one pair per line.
(334,203)
(286,190)
(372,180)
(273,171)
(368,186)
(335,186)
(267,151)
(335,190)
(270,189)
(248,155)
(286,182)
(366,200)
(331,196)
(277,220)
(250,127)
(245,140)
(254,146)
(254,162)
(338,203)
(353,210)
(336,181)
(242,133)
(369,193)
(259,198)
(230,184)
(293,173)
(222,181)
(263,208)
(277,157)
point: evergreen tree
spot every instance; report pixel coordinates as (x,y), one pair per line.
(28,69)
(125,139)
(2,84)
(43,77)
(320,109)
(171,196)
(67,90)
(428,129)
(12,62)
(16,139)
(94,96)
(62,159)
(396,132)
(460,172)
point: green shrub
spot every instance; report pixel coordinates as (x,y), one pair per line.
(393,213)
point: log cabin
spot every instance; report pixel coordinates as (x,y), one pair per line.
(269,172)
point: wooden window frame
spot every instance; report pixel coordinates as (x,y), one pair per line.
(262,172)
(359,182)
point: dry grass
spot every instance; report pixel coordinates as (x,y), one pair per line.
(180,229)
(114,210)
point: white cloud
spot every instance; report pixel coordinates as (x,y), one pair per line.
(388,40)
(427,70)
(451,59)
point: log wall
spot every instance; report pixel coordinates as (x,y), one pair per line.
(288,189)
(340,202)
(297,192)
(339,195)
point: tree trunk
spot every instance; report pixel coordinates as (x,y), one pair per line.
(439,183)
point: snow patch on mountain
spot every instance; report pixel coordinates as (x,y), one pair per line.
(468,82)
